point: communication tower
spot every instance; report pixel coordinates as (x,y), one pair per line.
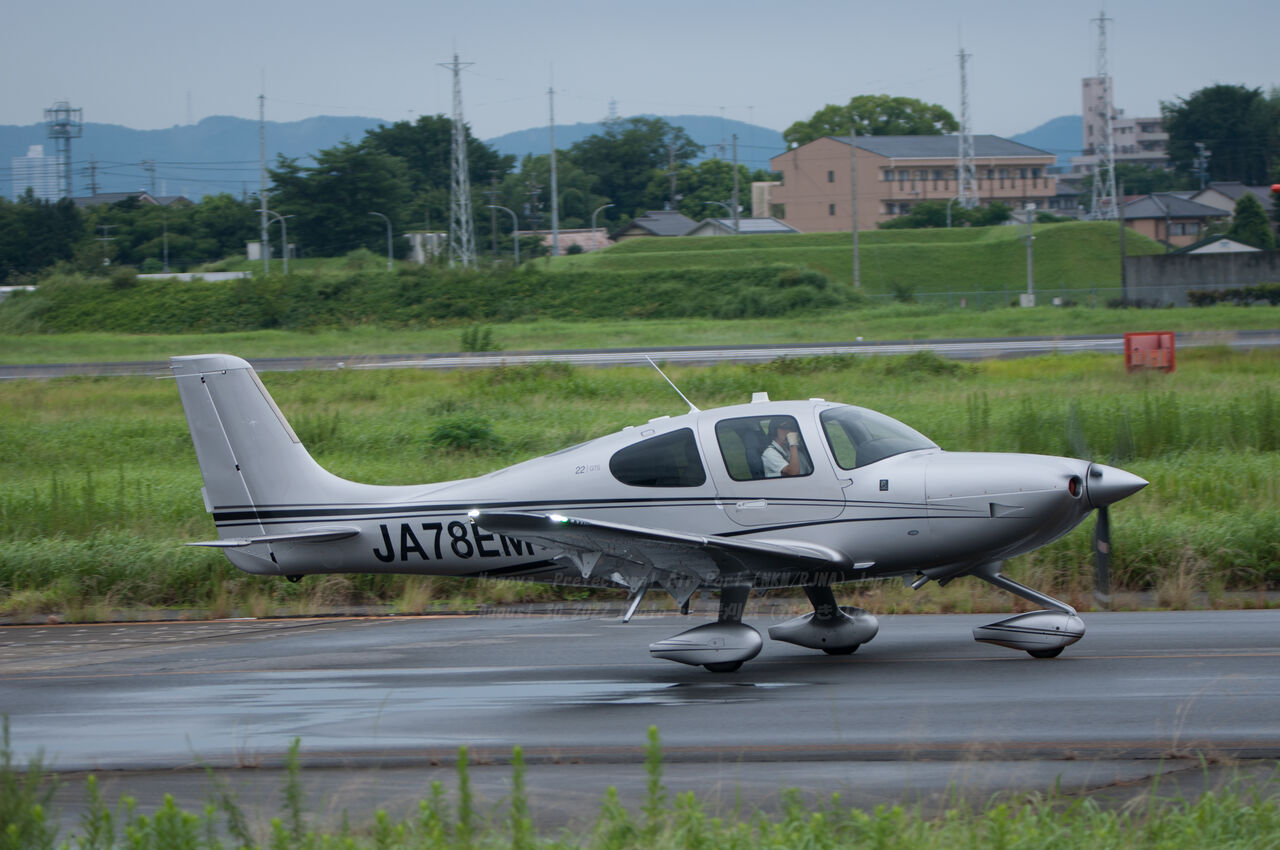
(1105,204)
(64,125)
(462,239)
(966,182)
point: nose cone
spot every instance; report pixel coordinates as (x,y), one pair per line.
(1107,484)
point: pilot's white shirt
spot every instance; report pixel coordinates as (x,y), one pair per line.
(775,457)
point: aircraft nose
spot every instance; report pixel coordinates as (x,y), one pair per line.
(1107,484)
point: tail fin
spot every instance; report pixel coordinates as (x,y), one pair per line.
(248,454)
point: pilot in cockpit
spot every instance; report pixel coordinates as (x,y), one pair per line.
(783,456)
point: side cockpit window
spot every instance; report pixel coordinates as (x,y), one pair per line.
(859,437)
(759,447)
(668,460)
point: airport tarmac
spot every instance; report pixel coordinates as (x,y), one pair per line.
(381,705)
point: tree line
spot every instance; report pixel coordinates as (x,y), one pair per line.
(403,171)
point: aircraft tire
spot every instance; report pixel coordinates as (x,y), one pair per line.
(842,650)
(723,666)
(1045,653)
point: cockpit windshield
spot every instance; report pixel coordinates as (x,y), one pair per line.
(859,437)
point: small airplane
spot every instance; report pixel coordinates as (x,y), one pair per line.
(751,497)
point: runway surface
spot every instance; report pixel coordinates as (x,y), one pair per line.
(382,704)
(957,349)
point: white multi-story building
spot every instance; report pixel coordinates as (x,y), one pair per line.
(37,172)
(1141,141)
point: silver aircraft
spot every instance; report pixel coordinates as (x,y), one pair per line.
(746,498)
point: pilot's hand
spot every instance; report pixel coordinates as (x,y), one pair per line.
(793,439)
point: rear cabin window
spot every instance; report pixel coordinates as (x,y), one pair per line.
(668,460)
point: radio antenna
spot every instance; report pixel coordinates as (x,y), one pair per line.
(693,408)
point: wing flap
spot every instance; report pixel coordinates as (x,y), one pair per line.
(311,535)
(708,558)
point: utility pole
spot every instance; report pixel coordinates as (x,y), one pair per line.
(966,181)
(149,166)
(491,196)
(1201,162)
(736,228)
(853,201)
(555,194)
(462,240)
(104,239)
(93,176)
(1124,284)
(263,245)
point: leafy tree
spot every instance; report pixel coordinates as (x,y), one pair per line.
(628,155)
(874,115)
(426,148)
(36,233)
(1249,224)
(702,188)
(1237,124)
(934,214)
(331,200)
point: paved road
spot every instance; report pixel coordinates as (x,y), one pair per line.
(960,349)
(381,705)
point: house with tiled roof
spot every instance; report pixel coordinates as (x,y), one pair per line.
(1169,218)
(655,223)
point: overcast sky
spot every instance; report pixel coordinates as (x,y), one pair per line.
(155,63)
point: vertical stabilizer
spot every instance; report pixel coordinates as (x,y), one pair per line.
(248,454)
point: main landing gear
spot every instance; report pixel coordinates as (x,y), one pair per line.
(723,646)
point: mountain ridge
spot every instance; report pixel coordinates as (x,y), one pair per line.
(220,153)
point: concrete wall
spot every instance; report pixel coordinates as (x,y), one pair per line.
(1175,273)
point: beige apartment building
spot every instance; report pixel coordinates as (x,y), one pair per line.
(897,172)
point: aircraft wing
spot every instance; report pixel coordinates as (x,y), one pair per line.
(655,555)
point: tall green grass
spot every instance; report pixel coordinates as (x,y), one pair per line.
(1233,816)
(99,485)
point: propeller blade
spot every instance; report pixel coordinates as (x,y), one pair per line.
(1102,559)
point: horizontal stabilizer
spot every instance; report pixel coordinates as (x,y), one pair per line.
(313,535)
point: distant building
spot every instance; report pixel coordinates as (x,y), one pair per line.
(1224,195)
(36,172)
(655,223)
(1141,141)
(1216,245)
(1168,218)
(143,198)
(897,172)
(724,227)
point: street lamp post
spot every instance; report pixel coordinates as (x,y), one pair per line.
(727,209)
(284,239)
(388,221)
(595,238)
(1030,300)
(515,229)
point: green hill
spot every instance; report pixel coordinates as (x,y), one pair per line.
(1068,255)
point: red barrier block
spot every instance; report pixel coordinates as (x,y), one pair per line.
(1149,350)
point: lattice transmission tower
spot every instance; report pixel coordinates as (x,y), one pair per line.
(1104,203)
(966,180)
(462,236)
(64,125)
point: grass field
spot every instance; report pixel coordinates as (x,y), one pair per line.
(99,486)
(893,322)
(1066,255)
